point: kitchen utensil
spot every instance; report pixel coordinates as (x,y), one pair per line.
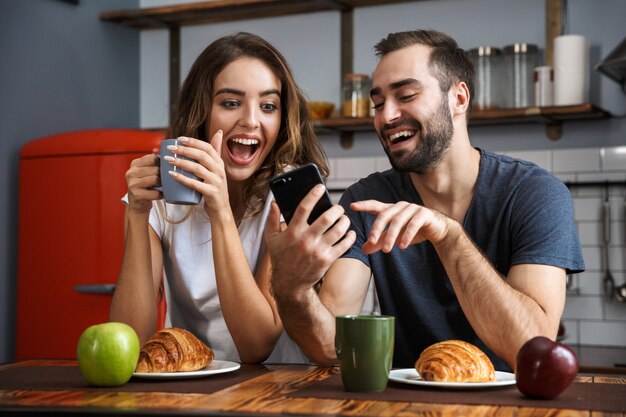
(608,281)
(570,284)
(620,291)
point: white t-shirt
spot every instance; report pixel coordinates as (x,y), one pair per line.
(191,290)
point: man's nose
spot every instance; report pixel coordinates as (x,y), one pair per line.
(390,112)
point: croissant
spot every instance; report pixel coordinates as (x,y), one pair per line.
(173,350)
(454,361)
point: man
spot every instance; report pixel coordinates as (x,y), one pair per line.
(462,243)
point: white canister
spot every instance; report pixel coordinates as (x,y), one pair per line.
(544,77)
(571,70)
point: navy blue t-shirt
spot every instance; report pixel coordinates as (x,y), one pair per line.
(519,214)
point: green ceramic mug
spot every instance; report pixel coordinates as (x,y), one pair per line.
(364,346)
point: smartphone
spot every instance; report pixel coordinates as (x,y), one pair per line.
(291,187)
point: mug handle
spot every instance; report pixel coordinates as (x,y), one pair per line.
(159,188)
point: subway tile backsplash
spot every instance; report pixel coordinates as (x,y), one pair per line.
(576,160)
(590,317)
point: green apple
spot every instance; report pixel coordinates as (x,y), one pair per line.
(108,353)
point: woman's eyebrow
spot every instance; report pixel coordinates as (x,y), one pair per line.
(230,91)
(270,92)
(236,92)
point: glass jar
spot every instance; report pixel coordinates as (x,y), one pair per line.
(356,95)
(487,83)
(520,62)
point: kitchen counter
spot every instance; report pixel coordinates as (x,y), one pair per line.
(44,387)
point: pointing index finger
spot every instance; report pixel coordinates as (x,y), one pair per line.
(368,206)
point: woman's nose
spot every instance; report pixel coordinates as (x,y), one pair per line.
(249,118)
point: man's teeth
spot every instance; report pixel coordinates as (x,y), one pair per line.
(248,142)
(403,133)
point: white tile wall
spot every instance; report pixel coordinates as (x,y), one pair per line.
(576,160)
(571,331)
(355,168)
(614,159)
(583,307)
(589,318)
(605,333)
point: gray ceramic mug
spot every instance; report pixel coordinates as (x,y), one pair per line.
(173,191)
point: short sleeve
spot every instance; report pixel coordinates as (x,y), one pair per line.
(156,220)
(543,226)
(357,223)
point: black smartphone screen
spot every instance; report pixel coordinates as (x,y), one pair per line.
(291,187)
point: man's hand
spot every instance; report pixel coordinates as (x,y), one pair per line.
(401,224)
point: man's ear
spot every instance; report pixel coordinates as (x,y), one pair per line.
(459,98)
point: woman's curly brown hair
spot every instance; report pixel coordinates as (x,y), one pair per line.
(296,144)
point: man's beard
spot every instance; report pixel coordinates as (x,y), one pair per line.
(431,146)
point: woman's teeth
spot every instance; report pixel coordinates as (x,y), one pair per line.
(248,142)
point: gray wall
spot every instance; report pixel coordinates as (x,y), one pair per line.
(311,44)
(61,69)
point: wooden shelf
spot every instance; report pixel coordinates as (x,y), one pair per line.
(539,115)
(227,10)
(543,115)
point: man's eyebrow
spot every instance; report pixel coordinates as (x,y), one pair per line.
(397,85)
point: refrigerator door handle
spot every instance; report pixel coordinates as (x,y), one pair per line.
(95,288)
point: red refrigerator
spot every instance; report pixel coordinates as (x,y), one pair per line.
(71,234)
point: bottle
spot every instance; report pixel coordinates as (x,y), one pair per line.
(520,61)
(487,85)
(356,100)
(544,77)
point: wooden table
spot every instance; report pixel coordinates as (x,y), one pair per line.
(262,395)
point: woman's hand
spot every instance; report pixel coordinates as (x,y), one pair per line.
(401,224)
(208,166)
(141,178)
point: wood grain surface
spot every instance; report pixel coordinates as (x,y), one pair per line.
(262,395)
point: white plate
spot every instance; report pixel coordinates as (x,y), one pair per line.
(410,376)
(215,367)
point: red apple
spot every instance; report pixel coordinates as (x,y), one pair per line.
(545,368)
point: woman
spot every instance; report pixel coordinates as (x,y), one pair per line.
(241,95)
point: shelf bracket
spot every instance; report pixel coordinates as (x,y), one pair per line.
(347,140)
(554,27)
(347,43)
(554,131)
(347,62)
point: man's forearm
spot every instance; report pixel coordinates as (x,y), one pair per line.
(503,317)
(309,324)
